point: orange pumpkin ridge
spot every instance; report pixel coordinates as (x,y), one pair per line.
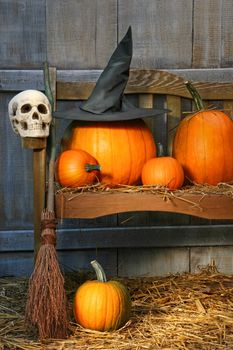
(74,168)
(203,145)
(100,304)
(163,171)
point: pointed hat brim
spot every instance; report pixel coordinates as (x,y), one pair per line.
(126,114)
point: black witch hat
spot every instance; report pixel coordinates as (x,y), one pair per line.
(107,101)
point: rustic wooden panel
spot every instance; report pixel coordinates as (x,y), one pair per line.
(12,264)
(206,74)
(20,79)
(94,204)
(227,39)
(174,117)
(74,260)
(21,263)
(162,31)
(149,81)
(79,238)
(133,219)
(163,218)
(23,33)
(152,262)
(17,80)
(16,180)
(81,34)
(202,256)
(228,108)
(207,23)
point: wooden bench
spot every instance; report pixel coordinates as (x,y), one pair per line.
(147,85)
(147,88)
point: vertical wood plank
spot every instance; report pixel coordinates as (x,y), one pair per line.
(81,34)
(227,38)
(16,185)
(162,32)
(174,116)
(158,125)
(146,100)
(207,33)
(23,33)
(228,108)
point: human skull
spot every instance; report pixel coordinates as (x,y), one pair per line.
(30,114)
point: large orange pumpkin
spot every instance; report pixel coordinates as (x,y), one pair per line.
(163,171)
(100,304)
(122,148)
(203,145)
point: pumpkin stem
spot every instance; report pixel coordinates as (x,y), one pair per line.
(91,167)
(160,149)
(100,274)
(195,95)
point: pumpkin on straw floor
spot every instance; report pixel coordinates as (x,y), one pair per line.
(187,311)
(102,305)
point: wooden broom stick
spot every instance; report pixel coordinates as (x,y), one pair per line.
(46,307)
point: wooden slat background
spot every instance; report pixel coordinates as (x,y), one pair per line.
(190,37)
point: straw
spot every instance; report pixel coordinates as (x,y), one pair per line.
(187,311)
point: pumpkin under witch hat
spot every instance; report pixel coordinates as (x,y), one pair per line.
(107,101)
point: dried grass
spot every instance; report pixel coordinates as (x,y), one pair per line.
(174,312)
(222,188)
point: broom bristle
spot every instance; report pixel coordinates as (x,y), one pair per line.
(46,307)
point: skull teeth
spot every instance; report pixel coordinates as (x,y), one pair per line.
(35,127)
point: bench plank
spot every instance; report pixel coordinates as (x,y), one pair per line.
(91,205)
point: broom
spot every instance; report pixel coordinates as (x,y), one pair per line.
(46,307)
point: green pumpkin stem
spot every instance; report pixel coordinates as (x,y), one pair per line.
(100,274)
(91,167)
(195,95)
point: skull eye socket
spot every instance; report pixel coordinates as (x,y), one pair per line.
(42,109)
(26,108)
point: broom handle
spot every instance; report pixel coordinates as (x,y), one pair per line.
(38,145)
(39,175)
(51,93)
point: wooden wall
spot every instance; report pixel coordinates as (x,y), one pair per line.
(193,37)
(78,34)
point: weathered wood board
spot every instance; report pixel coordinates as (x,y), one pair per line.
(91,205)
(83,34)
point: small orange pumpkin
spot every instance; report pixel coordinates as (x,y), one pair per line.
(163,171)
(100,304)
(74,168)
(121,147)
